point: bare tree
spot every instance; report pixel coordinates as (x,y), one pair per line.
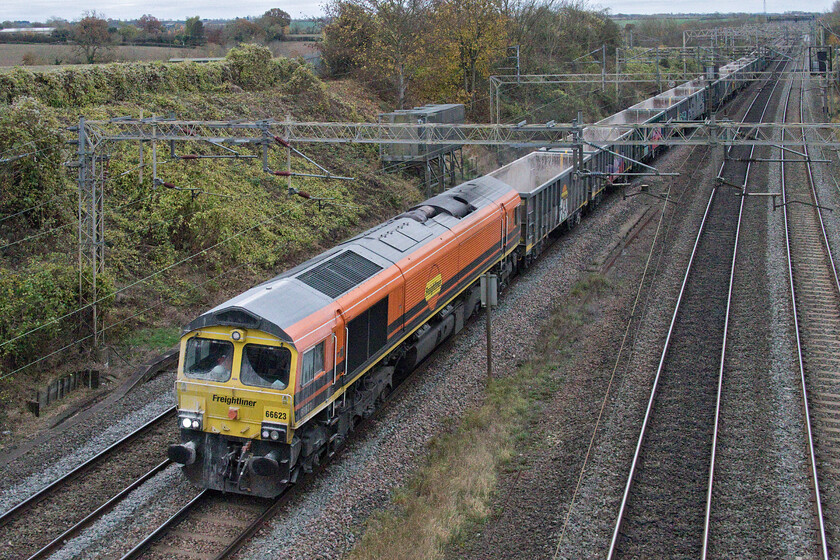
(91,35)
(150,24)
(400,42)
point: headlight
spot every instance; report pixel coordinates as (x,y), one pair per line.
(273,432)
(189,420)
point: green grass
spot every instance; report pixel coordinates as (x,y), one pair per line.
(160,339)
(451,496)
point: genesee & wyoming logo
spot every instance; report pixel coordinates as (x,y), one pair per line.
(233,400)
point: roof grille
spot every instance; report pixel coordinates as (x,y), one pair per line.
(339,274)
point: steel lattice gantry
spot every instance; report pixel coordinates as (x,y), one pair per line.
(91,166)
(565,135)
(96,137)
(602,78)
(749,32)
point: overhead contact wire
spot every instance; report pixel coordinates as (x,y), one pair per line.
(626,335)
(121,321)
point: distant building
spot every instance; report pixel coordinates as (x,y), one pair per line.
(33,30)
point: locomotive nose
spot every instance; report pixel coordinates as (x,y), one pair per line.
(182,453)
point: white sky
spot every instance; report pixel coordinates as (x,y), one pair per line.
(41,10)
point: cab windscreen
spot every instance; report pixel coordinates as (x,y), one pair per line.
(208,359)
(265,366)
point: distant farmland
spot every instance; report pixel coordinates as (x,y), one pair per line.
(44,55)
(681,19)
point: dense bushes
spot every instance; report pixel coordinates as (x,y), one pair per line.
(38,295)
(227,224)
(35,179)
(249,67)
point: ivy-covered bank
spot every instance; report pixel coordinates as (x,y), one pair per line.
(248,67)
(226,226)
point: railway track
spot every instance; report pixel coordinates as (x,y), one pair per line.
(210,526)
(38,525)
(214,526)
(664,509)
(815,297)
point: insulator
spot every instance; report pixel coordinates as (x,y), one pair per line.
(190,156)
(168,185)
(281,142)
(281,173)
(304,194)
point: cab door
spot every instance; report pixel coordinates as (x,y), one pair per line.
(339,349)
(505,227)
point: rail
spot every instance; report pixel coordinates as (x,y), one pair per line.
(259,521)
(814,473)
(651,400)
(96,514)
(21,507)
(613,547)
(182,513)
(549,135)
(719,393)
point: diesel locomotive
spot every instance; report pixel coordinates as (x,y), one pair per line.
(271,382)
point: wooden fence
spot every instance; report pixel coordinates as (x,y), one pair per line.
(59,388)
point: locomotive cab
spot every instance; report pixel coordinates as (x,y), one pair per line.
(235,409)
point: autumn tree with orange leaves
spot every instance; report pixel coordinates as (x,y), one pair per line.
(470,36)
(434,49)
(382,41)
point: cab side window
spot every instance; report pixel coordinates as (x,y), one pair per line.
(313,363)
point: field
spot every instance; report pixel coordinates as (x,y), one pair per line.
(43,56)
(621,21)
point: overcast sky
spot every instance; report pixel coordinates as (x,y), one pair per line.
(40,10)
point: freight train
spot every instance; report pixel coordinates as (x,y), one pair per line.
(271,382)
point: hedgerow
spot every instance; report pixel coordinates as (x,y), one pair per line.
(30,130)
(227,225)
(249,67)
(37,296)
